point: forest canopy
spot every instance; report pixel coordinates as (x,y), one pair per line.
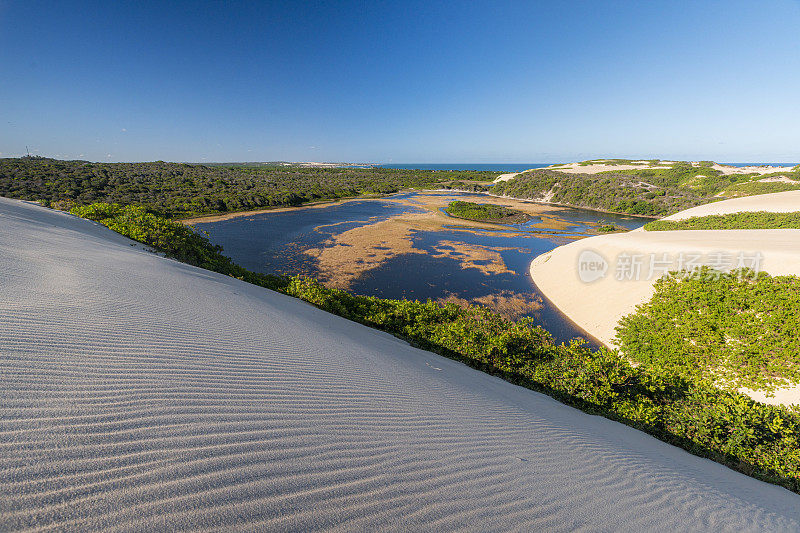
(183,190)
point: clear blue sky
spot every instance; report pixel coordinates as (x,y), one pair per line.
(405,81)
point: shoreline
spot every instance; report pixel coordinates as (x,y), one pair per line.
(218,217)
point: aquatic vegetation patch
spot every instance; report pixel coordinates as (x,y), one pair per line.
(508,304)
(485,212)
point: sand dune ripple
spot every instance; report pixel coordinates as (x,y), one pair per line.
(142,394)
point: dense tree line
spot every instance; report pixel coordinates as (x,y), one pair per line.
(183,189)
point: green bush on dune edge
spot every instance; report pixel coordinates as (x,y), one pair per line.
(757,439)
(738,329)
(744,220)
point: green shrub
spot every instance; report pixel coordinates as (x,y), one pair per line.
(615,191)
(473,211)
(760,187)
(609,228)
(735,329)
(746,220)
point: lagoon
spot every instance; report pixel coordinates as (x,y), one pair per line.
(405,246)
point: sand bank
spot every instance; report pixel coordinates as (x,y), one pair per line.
(599,166)
(577,168)
(597,305)
(781,202)
(761,169)
(506,177)
(143,394)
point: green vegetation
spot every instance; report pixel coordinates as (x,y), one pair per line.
(186,190)
(466,187)
(705,180)
(183,190)
(747,220)
(757,439)
(759,187)
(485,212)
(609,228)
(172,238)
(734,329)
(616,192)
(650,192)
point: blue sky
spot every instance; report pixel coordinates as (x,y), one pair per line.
(400,81)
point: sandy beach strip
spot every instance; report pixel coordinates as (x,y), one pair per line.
(140,393)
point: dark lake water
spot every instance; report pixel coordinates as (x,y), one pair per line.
(275,243)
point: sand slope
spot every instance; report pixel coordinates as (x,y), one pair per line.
(598,306)
(779,202)
(142,394)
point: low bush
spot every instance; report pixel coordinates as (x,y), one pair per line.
(747,220)
(491,212)
(759,187)
(736,329)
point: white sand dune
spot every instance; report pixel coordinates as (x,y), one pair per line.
(510,175)
(598,306)
(506,177)
(779,202)
(139,393)
(594,168)
(762,169)
(600,166)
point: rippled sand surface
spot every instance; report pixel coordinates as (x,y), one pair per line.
(142,394)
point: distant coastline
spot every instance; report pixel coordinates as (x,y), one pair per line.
(480,167)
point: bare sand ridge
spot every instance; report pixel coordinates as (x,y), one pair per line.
(598,306)
(760,169)
(781,202)
(506,177)
(577,168)
(139,393)
(599,166)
